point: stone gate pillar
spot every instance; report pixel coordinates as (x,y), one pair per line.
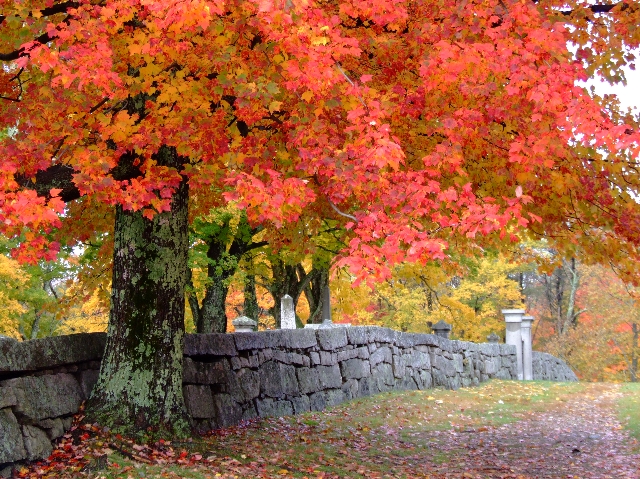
(513,318)
(527,349)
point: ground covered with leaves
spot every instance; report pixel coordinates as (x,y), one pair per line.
(502,429)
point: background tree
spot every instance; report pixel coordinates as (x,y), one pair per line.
(601,345)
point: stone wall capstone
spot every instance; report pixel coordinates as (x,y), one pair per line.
(232,377)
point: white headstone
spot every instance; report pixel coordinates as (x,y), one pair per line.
(513,318)
(287,313)
(527,348)
(326,305)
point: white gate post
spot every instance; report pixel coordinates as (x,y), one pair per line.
(527,349)
(513,318)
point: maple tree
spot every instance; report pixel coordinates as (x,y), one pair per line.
(411,123)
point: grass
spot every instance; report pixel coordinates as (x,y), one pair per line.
(367,437)
(629,408)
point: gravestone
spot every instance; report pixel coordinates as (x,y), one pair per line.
(287,313)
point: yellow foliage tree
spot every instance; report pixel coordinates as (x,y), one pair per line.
(418,296)
(12,280)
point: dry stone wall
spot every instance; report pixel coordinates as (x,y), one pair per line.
(232,377)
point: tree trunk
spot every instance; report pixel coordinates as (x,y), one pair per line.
(313,293)
(251,308)
(213,314)
(139,389)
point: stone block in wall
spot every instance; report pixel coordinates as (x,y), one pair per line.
(489,349)
(249,412)
(278,380)
(430,340)
(53,427)
(296,359)
(249,383)
(455,383)
(406,340)
(300,404)
(308,380)
(439,378)
(47,353)
(226,411)
(331,339)
(457,363)
(11,443)
(418,360)
(350,389)
(423,379)
(317,401)
(87,378)
(235,362)
(399,366)
(333,397)
(314,357)
(382,335)
(276,338)
(330,376)
(213,344)
(506,349)
(365,387)
(281,356)
(491,365)
(196,372)
(41,397)
(437,360)
(357,335)
(328,358)
(249,341)
(383,374)
(382,354)
(347,354)
(254,361)
(268,407)
(363,352)
(36,443)
(198,401)
(7,397)
(301,338)
(355,369)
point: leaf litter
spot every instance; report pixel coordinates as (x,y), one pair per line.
(502,430)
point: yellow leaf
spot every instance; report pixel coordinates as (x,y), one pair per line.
(306,96)
(274,106)
(319,41)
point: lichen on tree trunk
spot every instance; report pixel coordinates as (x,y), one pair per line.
(140,384)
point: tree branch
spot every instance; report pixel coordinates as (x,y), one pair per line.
(61,177)
(44,38)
